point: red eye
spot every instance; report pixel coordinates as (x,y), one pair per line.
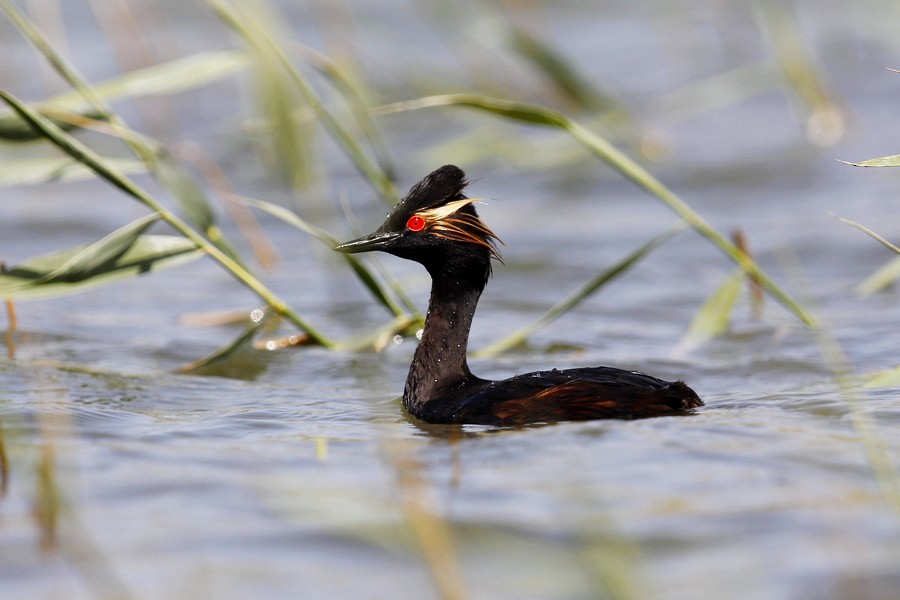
(415,223)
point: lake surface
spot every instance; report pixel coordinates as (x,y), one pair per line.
(295,474)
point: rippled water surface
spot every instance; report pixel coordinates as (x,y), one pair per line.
(296,475)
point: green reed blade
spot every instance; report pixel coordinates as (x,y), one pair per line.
(171,77)
(98,256)
(166,78)
(351,91)
(13,129)
(579,295)
(617,159)
(869,233)
(884,161)
(714,316)
(77,269)
(562,74)
(886,276)
(191,200)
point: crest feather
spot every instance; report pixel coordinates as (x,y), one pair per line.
(438,199)
(442,184)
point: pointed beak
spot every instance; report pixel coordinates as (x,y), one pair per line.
(380,240)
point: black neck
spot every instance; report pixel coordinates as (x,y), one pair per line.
(439,365)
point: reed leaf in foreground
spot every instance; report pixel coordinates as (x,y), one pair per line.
(714,316)
(580,294)
(617,159)
(172,77)
(85,155)
(826,119)
(124,253)
(881,279)
(561,73)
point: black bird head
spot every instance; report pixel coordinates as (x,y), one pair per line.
(435,224)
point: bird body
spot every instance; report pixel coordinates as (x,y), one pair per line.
(437,226)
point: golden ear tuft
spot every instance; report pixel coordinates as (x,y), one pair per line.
(447,222)
(434,215)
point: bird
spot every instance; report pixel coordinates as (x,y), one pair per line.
(437,225)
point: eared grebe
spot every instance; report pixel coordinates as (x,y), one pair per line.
(437,225)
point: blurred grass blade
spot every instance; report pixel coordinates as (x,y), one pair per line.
(714,316)
(617,159)
(55,274)
(191,200)
(580,294)
(870,233)
(291,129)
(826,122)
(884,161)
(167,78)
(555,68)
(259,39)
(351,92)
(172,77)
(44,169)
(715,92)
(881,279)
(885,379)
(364,275)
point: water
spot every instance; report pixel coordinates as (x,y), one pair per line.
(303,479)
